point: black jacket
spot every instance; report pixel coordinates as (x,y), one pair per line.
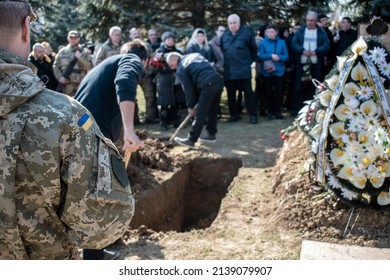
(114,80)
(45,71)
(346,39)
(196,73)
(240,51)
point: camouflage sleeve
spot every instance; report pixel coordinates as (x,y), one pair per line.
(84,61)
(98,203)
(101,55)
(57,66)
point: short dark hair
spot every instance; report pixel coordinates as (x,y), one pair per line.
(137,47)
(271,26)
(13,13)
(347,19)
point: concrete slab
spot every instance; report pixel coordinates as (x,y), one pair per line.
(314,250)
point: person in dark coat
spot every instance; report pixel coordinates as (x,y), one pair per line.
(111,85)
(202,86)
(310,45)
(169,93)
(108,91)
(345,37)
(44,65)
(239,48)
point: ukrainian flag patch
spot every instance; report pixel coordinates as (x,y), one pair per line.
(85,122)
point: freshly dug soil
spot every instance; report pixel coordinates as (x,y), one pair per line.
(264,206)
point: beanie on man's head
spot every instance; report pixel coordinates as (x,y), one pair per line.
(167,35)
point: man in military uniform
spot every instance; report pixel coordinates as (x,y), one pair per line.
(70,77)
(112,46)
(63,185)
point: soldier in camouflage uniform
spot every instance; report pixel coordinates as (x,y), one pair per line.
(64,57)
(112,46)
(63,186)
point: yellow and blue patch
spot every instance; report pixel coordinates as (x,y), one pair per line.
(85,122)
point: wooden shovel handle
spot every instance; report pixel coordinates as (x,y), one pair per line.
(127,158)
(183,123)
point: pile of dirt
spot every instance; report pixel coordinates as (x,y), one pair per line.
(269,208)
(151,163)
(317,213)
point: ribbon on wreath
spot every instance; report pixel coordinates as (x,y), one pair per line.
(321,155)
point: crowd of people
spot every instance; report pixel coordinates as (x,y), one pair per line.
(65,183)
(297,54)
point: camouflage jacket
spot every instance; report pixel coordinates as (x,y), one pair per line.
(65,56)
(106,50)
(63,186)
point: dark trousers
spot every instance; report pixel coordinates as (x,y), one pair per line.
(207,109)
(93,254)
(274,94)
(304,90)
(232,86)
(260,95)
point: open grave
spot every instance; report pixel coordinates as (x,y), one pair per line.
(180,191)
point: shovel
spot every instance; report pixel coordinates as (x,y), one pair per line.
(127,158)
(183,123)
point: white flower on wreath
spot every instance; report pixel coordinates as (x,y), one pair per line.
(349,195)
(334,182)
(383,198)
(368,108)
(376,177)
(377,55)
(353,148)
(384,68)
(356,124)
(332,82)
(366,138)
(380,136)
(316,131)
(314,147)
(353,103)
(342,112)
(377,150)
(359,73)
(371,123)
(324,97)
(350,90)
(338,156)
(337,129)
(365,93)
(320,116)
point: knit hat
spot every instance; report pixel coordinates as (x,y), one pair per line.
(167,35)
